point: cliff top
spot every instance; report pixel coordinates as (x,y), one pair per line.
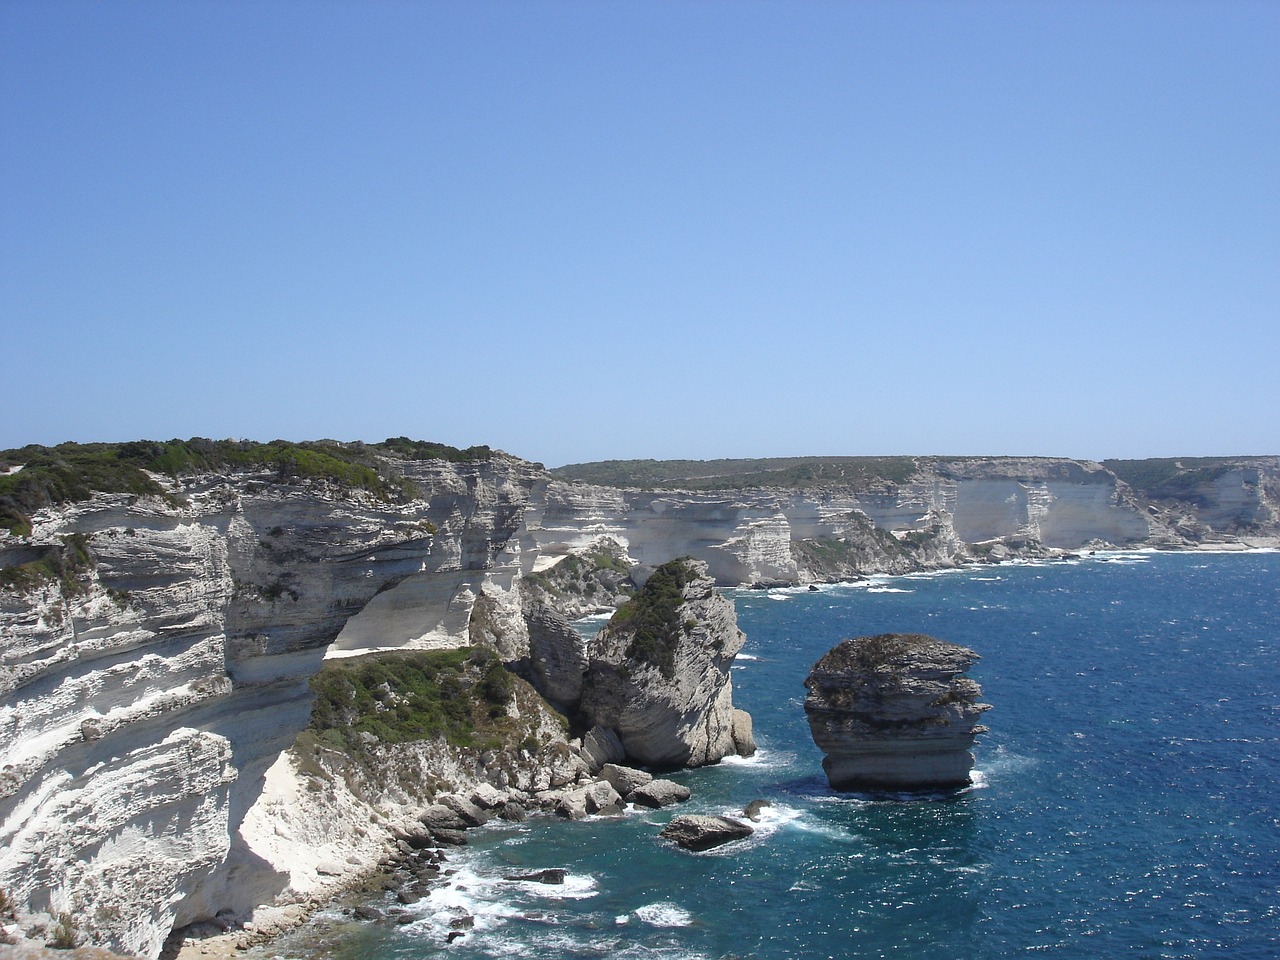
(34,476)
(1155,477)
(893,652)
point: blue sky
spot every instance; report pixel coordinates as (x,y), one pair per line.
(581,231)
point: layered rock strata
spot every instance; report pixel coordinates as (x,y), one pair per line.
(148,689)
(156,645)
(895,712)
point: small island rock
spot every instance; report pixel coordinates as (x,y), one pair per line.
(895,712)
(695,832)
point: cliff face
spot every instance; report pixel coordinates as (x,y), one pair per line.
(941,511)
(148,688)
(156,645)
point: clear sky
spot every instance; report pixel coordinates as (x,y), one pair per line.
(593,230)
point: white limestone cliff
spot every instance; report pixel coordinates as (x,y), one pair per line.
(144,698)
(144,702)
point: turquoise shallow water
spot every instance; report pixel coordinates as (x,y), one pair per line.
(1127,801)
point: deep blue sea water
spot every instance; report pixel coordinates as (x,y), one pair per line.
(1127,802)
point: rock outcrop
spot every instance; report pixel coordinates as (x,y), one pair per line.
(696,832)
(895,712)
(659,673)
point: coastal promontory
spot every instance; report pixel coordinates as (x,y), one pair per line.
(895,712)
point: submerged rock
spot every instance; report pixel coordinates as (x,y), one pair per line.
(895,712)
(753,809)
(553,875)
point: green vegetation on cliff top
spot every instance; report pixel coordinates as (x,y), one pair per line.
(786,472)
(461,695)
(72,472)
(653,615)
(1156,478)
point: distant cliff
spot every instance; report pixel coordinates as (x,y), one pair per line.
(163,607)
(810,519)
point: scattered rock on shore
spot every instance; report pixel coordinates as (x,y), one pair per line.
(696,832)
(658,793)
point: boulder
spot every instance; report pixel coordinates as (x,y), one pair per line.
(601,746)
(415,834)
(694,832)
(625,779)
(572,805)
(488,797)
(602,798)
(513,811)
(452,838)
(439,817)
(468,812)
(895,712)
(554,875)
(658,793)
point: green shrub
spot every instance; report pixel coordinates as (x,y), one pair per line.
(414,695)
(652,615)
(426,450)
(65,933)
(65,565)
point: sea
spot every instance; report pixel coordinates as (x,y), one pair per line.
(1125,803)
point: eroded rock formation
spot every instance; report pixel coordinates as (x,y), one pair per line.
(148,687)
(658,673)
(895,712)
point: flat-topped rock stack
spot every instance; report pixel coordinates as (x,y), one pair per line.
(895,712)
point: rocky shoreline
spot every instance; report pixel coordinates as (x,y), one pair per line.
(416,855)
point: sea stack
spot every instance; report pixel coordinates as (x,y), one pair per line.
(895,712)
(658,674)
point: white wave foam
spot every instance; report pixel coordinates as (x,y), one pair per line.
(778,596)
(761,758)
(664,914)
(746,656)
(770,820)
(467,894)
